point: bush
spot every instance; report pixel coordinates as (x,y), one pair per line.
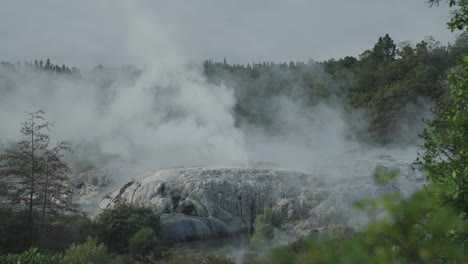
(416,231)
(64,231)
(204,257)
(384,175)
(143,242)
(445,155)
(121,222)
(265,224)
(89,252)
(32,255)
(16,234)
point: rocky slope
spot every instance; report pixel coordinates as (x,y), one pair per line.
(205,202)
(89,188)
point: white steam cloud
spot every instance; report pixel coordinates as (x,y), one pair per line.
(167,114)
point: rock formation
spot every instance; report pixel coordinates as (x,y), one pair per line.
(205,202)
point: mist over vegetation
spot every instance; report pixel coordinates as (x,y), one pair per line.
(237,126)
(217,113)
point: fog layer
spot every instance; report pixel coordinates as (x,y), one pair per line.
(165,113)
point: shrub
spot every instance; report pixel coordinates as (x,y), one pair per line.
(383,175)
(143,241)
(121,222)
(265,224)
(445,147)
(417,230)
(204,257)
(16,234)
(89,252)
(64,231)
(32,255)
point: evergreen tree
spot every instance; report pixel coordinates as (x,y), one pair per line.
(384,50)
(48,65)
(36,175)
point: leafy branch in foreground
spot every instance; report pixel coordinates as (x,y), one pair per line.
(413,230)
(445,156)
(459,18)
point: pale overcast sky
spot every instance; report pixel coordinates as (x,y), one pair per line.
(91,32)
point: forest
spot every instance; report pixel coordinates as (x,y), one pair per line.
(388,85)
(382,82)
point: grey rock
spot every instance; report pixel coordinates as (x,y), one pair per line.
(204,202)
(181,227)
(90,186)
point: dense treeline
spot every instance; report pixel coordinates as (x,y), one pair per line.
(387,80)
(390,86)
(41,66)
(388,83)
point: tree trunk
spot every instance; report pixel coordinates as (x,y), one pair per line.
(32,187)
(44,202)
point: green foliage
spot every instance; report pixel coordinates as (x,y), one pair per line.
(16,234)
(445,156)
(459,18)
(384,50)
(204,257)
(388,90)
(63,232)
(34,181)
(266,223)
(143,242)
(89,252)
(416,231)
(274,218)
(385,83)
(283,255)
(383,175)
(32,255)
(120,223)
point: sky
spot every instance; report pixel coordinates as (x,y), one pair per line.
(87,33)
